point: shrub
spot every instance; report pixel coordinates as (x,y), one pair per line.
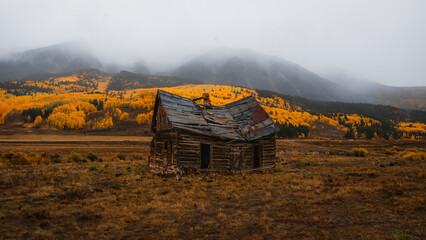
(121,156)
(124,116)
(136,156)
(91,156)
(75,157)
(37,121)
(92,168)
(389,151)
(396,148)
(359,152)
(20,158)
(278,167)
(55,158)
(414,156)
(141,170)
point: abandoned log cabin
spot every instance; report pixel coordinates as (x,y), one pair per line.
(239,135)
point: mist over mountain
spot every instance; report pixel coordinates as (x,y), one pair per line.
(243,67)
(250,69)
(60,58)
(226,66)
(359,89)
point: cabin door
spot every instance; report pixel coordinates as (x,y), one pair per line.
(205,156)
(257,156)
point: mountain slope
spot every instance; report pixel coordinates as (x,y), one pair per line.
(60,58)
(363,90)
(375,111)
(128,80)
(250,69)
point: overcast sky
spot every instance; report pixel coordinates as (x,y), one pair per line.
(384,41)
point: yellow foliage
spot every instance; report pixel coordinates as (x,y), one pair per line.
(101,123)
(20,158)
(76,106)
(117,112)
(414,156)
(144,118)
(124,116)
(359,152)
(409,127)
(67,117)
(37,121)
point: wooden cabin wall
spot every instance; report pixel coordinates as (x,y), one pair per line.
(159,154)
(224,154)
(162,123)
(221,155)
(269,150)
(188,150)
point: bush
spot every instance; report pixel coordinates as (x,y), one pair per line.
(20,158)
(389,151)
(91,156)
(124,116)
(136,156)
(278,167)
(415,156)
(121,156)
(37,122)
(75,157)
(141,170)
(55,158)
(359,152)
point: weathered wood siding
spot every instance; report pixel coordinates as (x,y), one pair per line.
(164,148)
(162,123)
(269,150)
(224,154)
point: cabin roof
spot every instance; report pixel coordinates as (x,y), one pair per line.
(242,120)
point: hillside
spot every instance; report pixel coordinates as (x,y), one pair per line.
(128,80)
(379,112)
(79,101)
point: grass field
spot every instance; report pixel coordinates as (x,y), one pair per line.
(317,191)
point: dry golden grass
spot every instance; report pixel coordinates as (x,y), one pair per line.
(315,194)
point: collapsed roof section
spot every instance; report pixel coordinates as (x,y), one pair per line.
(242,120)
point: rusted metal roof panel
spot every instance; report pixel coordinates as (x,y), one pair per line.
(243,120)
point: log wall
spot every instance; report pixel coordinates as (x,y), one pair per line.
(225,154)
(164,148)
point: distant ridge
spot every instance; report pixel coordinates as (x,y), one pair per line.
(60,58)
(237,67)
(246,68)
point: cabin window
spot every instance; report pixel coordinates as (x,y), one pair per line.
(166,145)
(258,152)
(205,156)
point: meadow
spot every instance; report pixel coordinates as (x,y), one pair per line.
(318,190)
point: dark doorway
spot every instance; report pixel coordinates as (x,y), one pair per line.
(257,156)
(205,156)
